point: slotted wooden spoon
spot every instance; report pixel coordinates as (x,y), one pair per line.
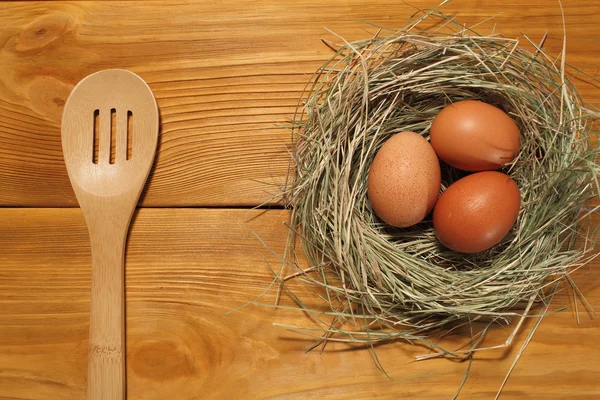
(108,190)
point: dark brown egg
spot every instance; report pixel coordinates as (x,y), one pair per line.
(477,211)
(474,136)
(404,180)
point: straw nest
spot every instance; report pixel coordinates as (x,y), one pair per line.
(385,283)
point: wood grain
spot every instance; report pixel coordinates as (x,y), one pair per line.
(186,269)
(227,77)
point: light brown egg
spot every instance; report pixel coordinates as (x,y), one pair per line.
(477,211)
(474,136)
(404,180)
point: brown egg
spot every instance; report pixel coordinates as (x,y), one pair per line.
(474,136)
(404,180)
(477,211)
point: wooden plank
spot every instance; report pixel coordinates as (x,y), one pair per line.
(186,269)
(227,76)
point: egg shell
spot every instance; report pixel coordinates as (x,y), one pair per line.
(474,136)
(476,212)
(404,180)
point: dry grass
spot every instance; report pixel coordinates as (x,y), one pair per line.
(382,283)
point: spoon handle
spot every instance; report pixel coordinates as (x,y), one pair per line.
(106,361)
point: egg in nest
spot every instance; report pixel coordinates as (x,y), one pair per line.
(404,180)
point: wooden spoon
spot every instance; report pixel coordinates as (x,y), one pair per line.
(109,106)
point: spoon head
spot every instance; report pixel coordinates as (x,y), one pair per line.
(109,133)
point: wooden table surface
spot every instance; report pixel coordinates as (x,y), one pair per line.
(227,76)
